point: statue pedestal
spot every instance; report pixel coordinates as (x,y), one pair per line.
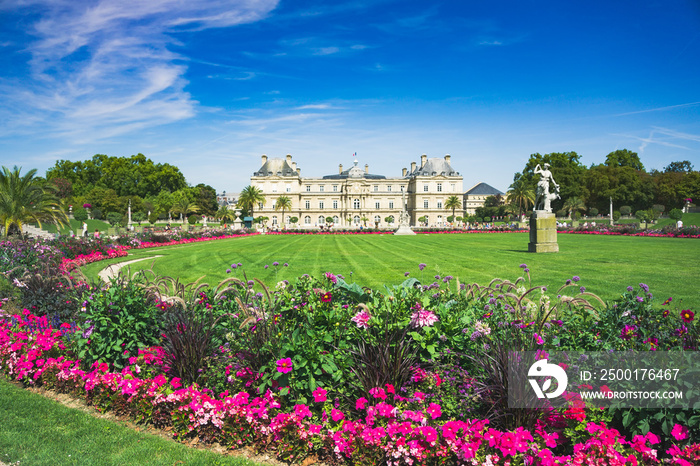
(543,232)
(404,230)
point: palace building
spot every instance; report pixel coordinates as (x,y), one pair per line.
(354,197)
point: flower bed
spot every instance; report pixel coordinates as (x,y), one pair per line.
(632,230)
(393,428)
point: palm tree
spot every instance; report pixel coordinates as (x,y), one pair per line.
(27,199)
(183,206)
(453,202)
(520,195)
(283,203)
(249,197)
(574,204)
(225,214)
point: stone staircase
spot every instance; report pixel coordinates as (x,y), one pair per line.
(34,231)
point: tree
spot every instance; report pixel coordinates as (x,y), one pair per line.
(566,169)
(138,217)
(454,203)
(423,219)
(574,204)
(679,167)
(250,196)
(206,200)
(115,219)
(284,203)
(225,214)
(624,158)
(183,206)
(24,198)
(520,194)
(675,214)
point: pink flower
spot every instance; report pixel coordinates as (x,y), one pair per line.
(378,393)
(434,410)
(302,411)
(423,318)
(337,415)
(175,382)
(679,432)
(361,319)
(360,403)
(319,395)
(284,365)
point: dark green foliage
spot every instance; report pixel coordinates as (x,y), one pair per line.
(153,218)
(80,214)
(592,211)
(44,292)
(625,210)
(115,219)
(117,321)
(675,214)
(193,219)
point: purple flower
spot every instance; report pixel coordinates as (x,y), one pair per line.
(275,263)
(523,266)
(240,265)
(421,266)
(437,277)
(527,270)
(628,332)
(228,270)
(583,289)
(406,274)
(644,287)
(630,289)
(267,266)
(286,265)
(640,299)
(576,278)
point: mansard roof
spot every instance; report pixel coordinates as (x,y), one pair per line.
(276,167)
(354,172)
(433,167)
(483,189)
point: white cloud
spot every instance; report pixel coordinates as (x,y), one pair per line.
(107,67)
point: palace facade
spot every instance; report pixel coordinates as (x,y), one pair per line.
(354,197)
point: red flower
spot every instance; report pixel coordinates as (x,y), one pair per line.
(326,297)
(687,315)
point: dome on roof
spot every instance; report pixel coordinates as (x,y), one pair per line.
(276,167)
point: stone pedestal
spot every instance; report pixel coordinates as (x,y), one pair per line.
(404,230)
(543,232)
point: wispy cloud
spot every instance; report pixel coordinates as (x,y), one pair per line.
(659,109)
(103,68)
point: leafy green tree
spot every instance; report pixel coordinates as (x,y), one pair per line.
(138,217)
(675,214)
(592,211)
(24,198)
(453,203)
(679,167)
(567,170)
(115,219)
(574,204)
(184,206)
(206,200)
(284,203)
(80,214)
(642,216)
(225,214)
(249,198)
(520,194)
(153,218)
(625,210)
(624,158)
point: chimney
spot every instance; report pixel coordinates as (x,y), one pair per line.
(264,159)
(340,168)
(447,158)
(413,167)
(298,171)
(294,166)
(403,172)
(289,158)
(423,158)
(366,168)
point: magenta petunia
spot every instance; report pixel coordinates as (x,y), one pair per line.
(284,365)
(319,395)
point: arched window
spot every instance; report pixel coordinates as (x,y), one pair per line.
(336,219)
(391,219)
(356,219)
(307,220)
(321,219)
(377,219)
(356,204)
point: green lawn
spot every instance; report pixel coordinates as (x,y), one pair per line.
(39,431)
(606,264)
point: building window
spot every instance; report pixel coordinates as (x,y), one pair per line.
(439,219)
(439,204)
(321,188)
(377,219)
(388,188)
(335,188)
(320,204)
(453,187)
(307,220)
(335,204)
(376,205)
(274,188)
(391,204)
(439,187)
(376,188)
(321,220)
(425,188)
(391,219)
(308,188)
(274,219)
(289,189)
(260,205)
(307,204)
(356,204)
(356,219)
(335,219)
(425,204)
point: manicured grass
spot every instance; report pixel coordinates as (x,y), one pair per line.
(77,227)
(606,264)
(39,431)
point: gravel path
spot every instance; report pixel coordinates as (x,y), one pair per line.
(111,271)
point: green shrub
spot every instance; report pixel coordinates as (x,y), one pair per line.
(96,213)
(592,211)
(616,215)
(118,320)
(675,214)
(625,210)
(80,214)
(115,219)
(44,292)
(193,219)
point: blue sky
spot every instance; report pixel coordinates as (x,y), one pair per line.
(210,85)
